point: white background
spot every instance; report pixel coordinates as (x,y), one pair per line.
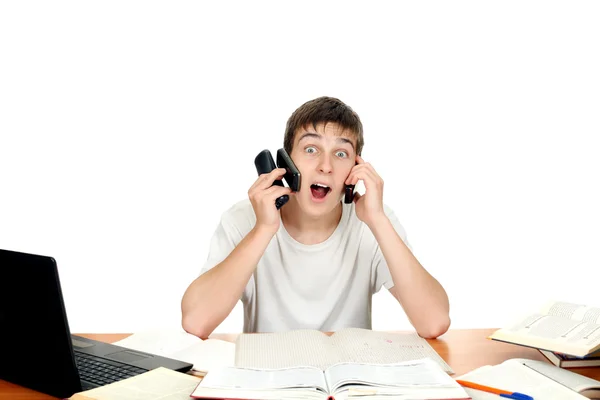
(127,128)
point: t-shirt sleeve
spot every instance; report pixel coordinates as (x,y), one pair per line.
(222,244)
(380,272)
(225,238)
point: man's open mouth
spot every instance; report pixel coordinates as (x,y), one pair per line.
(319,190)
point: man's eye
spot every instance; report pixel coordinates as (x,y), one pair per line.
(310,150)
(342,154)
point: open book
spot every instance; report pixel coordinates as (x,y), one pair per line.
(317,349)
(180,345)
(566,328)
(537,379)
(419,379)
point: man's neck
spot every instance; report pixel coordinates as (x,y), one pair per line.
(307,230)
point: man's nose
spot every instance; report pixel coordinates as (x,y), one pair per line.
(325,165)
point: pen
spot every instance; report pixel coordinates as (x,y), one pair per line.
(499,392)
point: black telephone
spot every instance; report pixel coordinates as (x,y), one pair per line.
(349,194)
(264,164)
(292,176)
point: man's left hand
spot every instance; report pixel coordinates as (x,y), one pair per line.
(369,207)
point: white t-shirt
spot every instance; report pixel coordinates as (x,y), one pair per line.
(326,286)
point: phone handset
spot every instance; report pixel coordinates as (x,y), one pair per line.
(264,164)
(349,194)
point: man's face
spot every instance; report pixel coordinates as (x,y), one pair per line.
(324,157)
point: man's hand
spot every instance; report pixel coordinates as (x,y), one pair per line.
(262,195)
(369,207)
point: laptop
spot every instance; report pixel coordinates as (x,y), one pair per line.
(37,349)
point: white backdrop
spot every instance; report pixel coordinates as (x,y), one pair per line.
(127,128)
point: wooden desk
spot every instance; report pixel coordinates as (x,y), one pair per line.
(463,349)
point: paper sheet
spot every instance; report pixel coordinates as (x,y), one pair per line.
(160,342)
(179,345)
(314,348)
(514,376)
(211,354)
(158,384)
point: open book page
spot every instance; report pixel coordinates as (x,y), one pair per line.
(516,377)
(284,349)
(160,383)
(373,347)
(316,349)
(266,394)
(576,312)
(247,378)
(180,345)
(412,377)
(246,383)
(570,379)
(554,333)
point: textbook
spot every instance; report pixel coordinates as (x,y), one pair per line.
(537,379)
(566,328)
(567,361)
(417,380)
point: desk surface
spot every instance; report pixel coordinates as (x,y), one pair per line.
(463,349)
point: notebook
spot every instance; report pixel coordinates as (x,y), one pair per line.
(317,349)
(35,332)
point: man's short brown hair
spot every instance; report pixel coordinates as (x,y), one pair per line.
(323,110)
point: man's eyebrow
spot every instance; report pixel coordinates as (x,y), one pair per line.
(319,137)
(310,135)
(345,140)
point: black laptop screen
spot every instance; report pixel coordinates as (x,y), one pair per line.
(35,343)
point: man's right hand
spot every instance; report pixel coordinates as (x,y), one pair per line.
(262,195)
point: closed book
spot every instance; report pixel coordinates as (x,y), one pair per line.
(567,361)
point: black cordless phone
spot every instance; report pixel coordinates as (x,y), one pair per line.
(264,164)
(292,175)
(349,194)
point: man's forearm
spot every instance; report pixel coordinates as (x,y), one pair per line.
(212,296)
(423,298)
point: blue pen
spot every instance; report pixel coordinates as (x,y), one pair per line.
(516,396)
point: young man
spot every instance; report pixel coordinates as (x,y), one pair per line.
(316,262)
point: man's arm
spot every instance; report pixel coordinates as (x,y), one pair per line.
(210,298)
(423,298)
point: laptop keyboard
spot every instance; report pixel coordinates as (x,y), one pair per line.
(100,371)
